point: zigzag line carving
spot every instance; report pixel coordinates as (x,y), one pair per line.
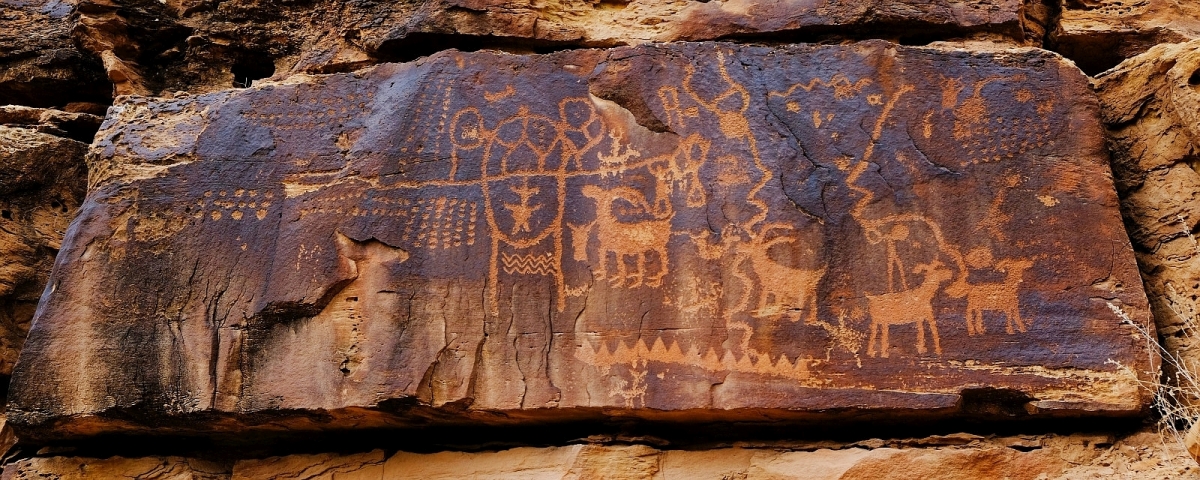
(528,264)
(726,361)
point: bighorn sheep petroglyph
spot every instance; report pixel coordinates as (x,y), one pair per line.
(625,239)
(908,306)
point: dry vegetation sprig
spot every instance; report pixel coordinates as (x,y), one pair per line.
(1177,390)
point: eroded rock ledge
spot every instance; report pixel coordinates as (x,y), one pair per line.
(951,456)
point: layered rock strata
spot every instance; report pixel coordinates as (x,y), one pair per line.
(1150,106)
(200,46)
(774,232)
(1099,34)
(951,456)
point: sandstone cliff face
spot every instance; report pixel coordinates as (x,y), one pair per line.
(597,239)
(39,64)
(201,46)
(1099,34)
(1149,104)
(42,183)
(964,456)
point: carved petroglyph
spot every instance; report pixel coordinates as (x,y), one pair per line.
(972,124)
(677,115)
(525,162)
(537,151)
(898,233)
(986,137)
(500,95)
(307,110)
(993,296)
(619,151)
(1000,297)
(711,360)
(442,222)
(909,306)
(522,211)
(528,264)
(233,204)
(782,289)
(900,304)
(682,172)
(996,218)
(624,240)
(841,85)
(696,295)
(632,392)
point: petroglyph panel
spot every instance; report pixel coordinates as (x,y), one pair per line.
(742,229)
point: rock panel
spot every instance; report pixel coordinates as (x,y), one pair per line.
(773,232)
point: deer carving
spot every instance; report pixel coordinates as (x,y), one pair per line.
(625,239)
(907,306)
(997,297)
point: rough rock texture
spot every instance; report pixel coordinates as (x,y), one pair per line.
(39,64)
(1141,456)
(42,183)
(1150,105)
(143,468)
(1099,34)
(72,125)
(1192,441)
(771,230)
(201,45)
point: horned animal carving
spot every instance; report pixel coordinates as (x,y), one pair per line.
(997,297)
(785,288)
(625,239)
(780,287)
(908,306)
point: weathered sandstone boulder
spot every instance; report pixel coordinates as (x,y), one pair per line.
(1150,105)
(743,233)
(39,64)
(1099,34)
(42,182)
(201,46)
(1029,457)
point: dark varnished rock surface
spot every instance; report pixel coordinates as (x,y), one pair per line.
(701,228)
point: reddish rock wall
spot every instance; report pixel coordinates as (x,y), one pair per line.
(437,232)
(585,254)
